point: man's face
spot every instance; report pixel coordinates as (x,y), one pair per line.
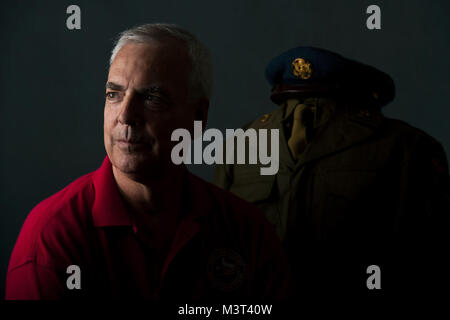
(147,97)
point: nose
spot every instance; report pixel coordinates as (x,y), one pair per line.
(130,112)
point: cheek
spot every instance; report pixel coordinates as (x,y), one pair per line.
(108,123)
(108,118)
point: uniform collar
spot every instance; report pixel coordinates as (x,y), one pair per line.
(341,132)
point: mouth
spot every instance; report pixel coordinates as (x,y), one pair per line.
(131,145)
(129,142)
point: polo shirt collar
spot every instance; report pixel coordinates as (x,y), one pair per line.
(108,208)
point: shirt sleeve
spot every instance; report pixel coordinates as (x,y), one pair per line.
(31,281)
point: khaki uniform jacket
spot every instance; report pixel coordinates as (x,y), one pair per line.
(367,190)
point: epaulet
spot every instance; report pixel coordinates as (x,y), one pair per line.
(265,121)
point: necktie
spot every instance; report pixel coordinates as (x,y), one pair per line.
(297,142)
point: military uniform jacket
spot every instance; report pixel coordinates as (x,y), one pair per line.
(367,190)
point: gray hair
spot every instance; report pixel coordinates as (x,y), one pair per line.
(199,54)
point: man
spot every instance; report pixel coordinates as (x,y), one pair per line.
(140,226)
(355,191)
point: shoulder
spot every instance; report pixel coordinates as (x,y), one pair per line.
(405,128)
(50,222)
(266,121)
(412,135)
(51,206)
(71,199)
(224,172)
(419,146)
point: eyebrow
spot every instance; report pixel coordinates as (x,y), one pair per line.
(152,89)
(155,89)
(114,86)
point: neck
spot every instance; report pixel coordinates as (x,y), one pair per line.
(150,196)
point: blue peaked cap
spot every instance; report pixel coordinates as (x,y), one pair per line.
(305,71)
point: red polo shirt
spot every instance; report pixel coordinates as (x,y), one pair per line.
(222,248)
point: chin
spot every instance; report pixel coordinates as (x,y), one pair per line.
(137,165)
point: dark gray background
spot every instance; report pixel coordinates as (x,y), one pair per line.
(52,79)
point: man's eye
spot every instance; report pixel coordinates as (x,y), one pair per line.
(155,102)
(152,98)
(112,95)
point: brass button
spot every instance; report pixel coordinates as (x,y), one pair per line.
(265,117)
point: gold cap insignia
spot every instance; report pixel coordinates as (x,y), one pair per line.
(302,68)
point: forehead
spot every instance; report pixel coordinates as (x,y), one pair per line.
(151,59)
